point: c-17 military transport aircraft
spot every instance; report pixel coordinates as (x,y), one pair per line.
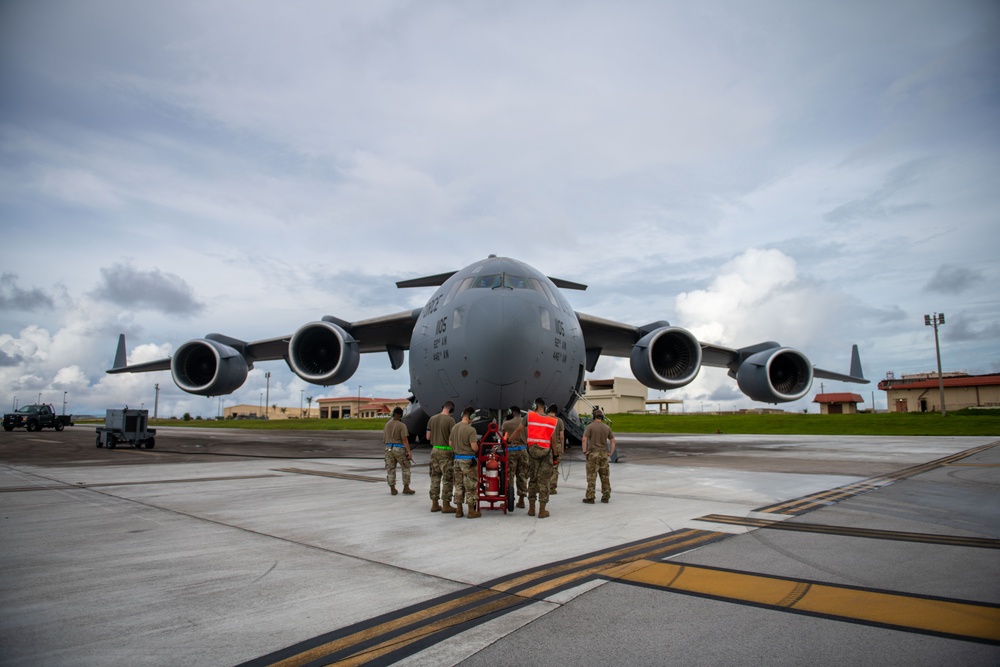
(494,334)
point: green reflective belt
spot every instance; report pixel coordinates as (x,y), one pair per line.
(440,447)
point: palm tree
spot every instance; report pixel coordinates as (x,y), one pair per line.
(309,401)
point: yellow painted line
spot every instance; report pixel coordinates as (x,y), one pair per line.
(970,620)
(495,597)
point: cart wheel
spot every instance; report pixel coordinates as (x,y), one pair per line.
(99,440)
(150,443)
(112,441)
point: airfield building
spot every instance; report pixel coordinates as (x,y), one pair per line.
(919,392)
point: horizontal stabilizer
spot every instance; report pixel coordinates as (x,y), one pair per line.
(426,281)
(567,284)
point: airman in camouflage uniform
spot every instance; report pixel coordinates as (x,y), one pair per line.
(557,445)
(517,455)
(397,451)
(442,467)
(596,439)
(465,442)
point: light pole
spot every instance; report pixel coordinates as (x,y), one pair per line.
(934,321)
(64,402)
(156,401)
(267,401)
(357,414)
(302,413)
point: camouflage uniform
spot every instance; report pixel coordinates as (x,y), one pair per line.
(466,469)
(442,466)
(394,435)
(539,468)
(556,445)
(597,436)
(517,461)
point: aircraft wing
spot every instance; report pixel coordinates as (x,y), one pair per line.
(678,349)
(389,333)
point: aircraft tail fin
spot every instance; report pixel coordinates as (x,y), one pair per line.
(856,364)
(120,360)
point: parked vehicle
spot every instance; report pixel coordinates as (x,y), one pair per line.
(36,417)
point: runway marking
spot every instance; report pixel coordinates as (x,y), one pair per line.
(64,487)
(956,619)
(396,635)
(814,501)
(330,473)
(847,531)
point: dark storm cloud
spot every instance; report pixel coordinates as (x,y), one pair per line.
(951,279)
(14,297)
(125,285)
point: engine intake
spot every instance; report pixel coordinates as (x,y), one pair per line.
(666,358)
(777,375)
(323,353)
(208,368)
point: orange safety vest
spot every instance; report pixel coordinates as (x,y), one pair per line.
(540,429)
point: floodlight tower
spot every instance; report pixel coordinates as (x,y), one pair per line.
(934,321)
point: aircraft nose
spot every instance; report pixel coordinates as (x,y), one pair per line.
(503,338)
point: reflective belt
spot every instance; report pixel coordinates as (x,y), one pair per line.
(464,457)
(441,447)
(390,445)
(515,449)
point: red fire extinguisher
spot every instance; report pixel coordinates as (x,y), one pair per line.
(491,473)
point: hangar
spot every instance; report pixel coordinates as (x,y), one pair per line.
(919,392)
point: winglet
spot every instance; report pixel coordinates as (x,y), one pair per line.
(120,360)
(856,364)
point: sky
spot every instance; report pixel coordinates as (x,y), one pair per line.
(814,173)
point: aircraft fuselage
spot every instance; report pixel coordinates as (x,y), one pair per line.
(497,333)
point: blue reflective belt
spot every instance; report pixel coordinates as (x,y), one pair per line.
(392,444)
(464,457)
(515,449)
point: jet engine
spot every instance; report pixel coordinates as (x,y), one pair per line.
(208,368)
(666,358)
(323,353)
(776,375)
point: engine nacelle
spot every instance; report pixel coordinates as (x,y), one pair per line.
(666,358)
(778,375)
(208,368)
(323,353)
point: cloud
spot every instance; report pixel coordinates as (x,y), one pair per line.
(125,285)
(14,297)
(885,202)
(951,279)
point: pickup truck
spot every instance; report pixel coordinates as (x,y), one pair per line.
(35,418)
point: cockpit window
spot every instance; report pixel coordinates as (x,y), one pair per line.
(516,282)
(543,288)
(492,280)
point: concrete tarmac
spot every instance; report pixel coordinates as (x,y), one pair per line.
(229,547)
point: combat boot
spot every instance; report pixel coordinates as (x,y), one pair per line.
(531,507)
(407,491)
(434,506)
(393,490)
(589,501)
(474,513)
(446,507)
(542,512)
(458,510)
(520,502)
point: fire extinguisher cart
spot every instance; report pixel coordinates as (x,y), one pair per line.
(494,493)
